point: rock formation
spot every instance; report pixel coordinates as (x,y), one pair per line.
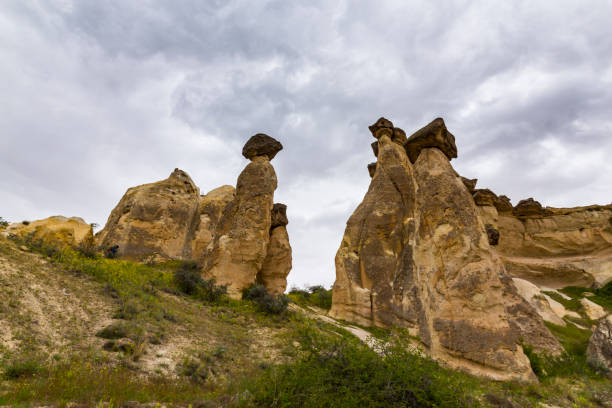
(55,230)
(240,243)
(553,247)
(599,351)
(415,254)
(236,234)
(155,219)
(277,264)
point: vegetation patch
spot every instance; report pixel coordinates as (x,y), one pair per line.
(312,296)
(189,281)
(267,303)
(602,296)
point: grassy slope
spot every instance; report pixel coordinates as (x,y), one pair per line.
(180,350)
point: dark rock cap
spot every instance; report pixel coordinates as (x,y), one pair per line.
(261,145)
(484,196)
(381,127)
(372,169)
(503,204)
(528,207)
(375,148)
(470,184)
(434,134)
(279,215)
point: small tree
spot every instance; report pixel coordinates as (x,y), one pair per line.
(3,223)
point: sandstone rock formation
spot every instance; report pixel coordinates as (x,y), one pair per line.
(239,247)
(553,247)
(599,351)
(276,266)
(210,210)
(55,230)
(415,254)
(155,219)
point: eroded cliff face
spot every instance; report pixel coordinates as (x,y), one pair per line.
(554,247)
(155,219)
(416,254)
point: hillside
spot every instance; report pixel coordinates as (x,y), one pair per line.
(89,330)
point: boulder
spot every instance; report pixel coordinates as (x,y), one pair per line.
(277,264)
(435,135)
(239,246)
(56,230)
(261,145)
(470,184)
(372,169)
(156,219)
(528,207)
(592,309)
(484,196)
(599,350)
(415,254)
(279,215)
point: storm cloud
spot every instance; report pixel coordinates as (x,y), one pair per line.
(100,96)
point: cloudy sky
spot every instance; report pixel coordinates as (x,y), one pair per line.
(97,96)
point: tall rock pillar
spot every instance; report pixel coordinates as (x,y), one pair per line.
(240,245)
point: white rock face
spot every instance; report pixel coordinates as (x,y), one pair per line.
(592,309)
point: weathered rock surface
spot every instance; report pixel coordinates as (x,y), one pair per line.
(210,210)
(155,219)
(434,134)
(492,234)
(550,310)
(484,196)
(261,145)
(55,230)
(557,248)
(277,265)
(239,247)
(470,184)
(599,351)
(372,169)
(592,309)
(415,254)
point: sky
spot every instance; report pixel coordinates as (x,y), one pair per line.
(98,96)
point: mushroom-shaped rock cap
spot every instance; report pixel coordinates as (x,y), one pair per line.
(528,207)
(434,134)
(261,145)
(381,127)
(279,215)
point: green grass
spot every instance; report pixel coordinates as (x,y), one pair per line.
(89,380)
(340,371)
(603,295)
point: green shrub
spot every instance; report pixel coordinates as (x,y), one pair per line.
(3,223)
(25,222)
(265,302)
(23,367)
(343,372)
(189,281)
(114,331)
(188,278)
